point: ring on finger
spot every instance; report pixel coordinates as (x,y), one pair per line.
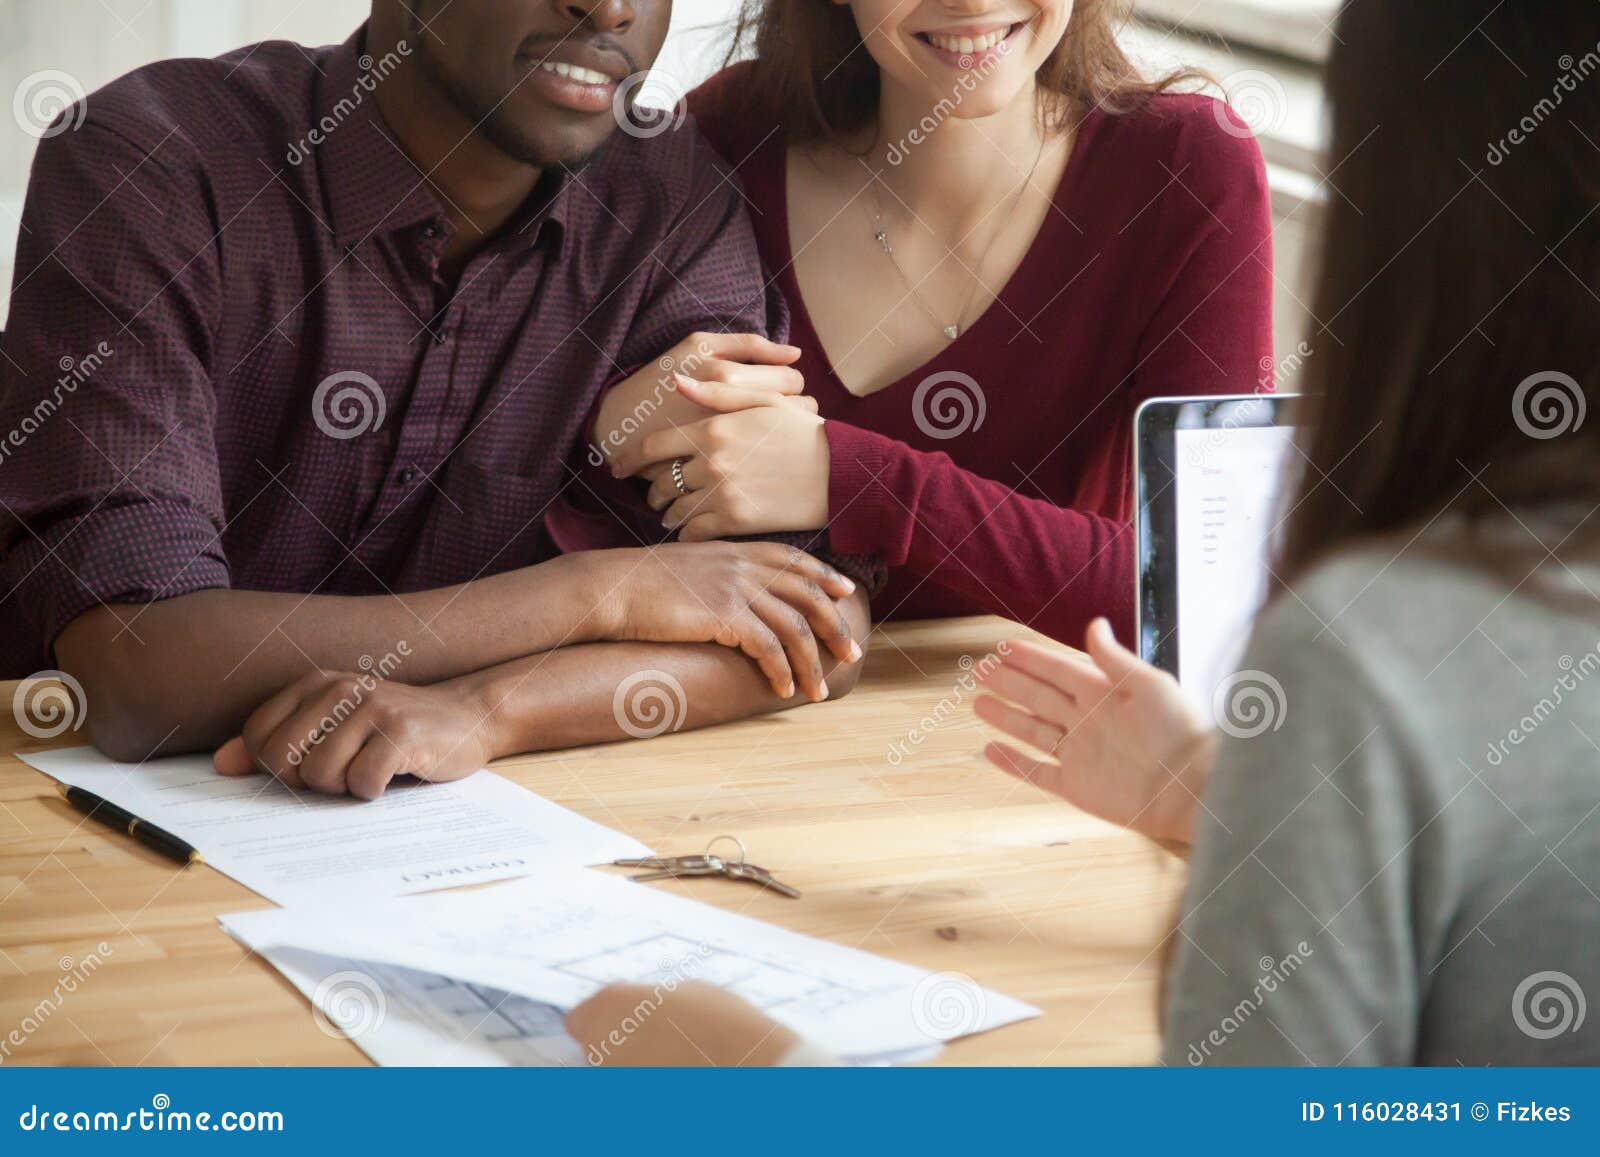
(677,476)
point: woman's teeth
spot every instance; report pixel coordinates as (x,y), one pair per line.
(968,44)
(574,73)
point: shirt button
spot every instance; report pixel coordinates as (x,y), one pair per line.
(409,475)
(431,230)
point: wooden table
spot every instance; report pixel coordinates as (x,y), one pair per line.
(919,852)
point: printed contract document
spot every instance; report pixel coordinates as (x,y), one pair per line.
(298,846)
(481,977)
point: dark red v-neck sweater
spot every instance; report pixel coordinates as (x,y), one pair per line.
(1012,495)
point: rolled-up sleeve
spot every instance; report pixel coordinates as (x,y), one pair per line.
(109,483)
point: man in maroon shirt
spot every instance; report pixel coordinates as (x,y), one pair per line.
(302,352)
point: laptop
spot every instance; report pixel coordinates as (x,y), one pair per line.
(1209,477)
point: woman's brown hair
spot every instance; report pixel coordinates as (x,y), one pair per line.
(1457,339)
(813,77)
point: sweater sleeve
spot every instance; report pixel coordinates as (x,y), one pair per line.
(1047,566)
(1299,942)
(1055,568)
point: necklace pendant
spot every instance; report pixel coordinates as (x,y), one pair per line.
(952,332)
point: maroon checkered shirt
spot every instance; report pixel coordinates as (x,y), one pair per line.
(231,360)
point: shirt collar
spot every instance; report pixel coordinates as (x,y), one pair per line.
(372,185)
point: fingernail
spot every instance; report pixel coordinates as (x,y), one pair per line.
(855,651)
(788,691)
(822,691)
(680,380)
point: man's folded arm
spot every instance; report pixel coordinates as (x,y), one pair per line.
(599,692)
(182,674)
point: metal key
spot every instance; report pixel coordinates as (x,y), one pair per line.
(669,867)
(756,875)
(708,864)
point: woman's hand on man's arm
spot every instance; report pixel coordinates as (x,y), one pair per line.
(754,457)
(650,400)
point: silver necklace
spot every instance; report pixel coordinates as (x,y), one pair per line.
(880,234)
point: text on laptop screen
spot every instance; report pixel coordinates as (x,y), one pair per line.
(1227,514)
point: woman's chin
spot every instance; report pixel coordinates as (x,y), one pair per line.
(988,105)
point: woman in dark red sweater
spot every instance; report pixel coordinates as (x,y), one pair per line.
(996,241)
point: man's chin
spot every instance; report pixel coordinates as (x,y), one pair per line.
(545,151)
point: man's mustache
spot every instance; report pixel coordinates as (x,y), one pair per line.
(543,47)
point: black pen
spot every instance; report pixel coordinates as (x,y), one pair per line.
(112,816)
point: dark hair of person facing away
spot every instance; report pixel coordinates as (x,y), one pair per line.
(813,77)
(1457,327)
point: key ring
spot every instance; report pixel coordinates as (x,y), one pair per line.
(743,853)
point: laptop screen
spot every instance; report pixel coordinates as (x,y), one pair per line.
(1226,485)
(1209,478)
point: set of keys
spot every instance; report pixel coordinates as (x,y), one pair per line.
(708,863)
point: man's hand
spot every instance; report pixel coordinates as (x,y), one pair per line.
(773,602)
(693,1024)
(341,732)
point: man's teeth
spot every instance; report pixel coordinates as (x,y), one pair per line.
(574,73)
(967,44)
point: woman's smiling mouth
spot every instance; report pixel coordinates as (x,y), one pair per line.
(968,47)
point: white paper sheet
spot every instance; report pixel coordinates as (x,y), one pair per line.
(298,847)
(559,935)
(399,1016)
